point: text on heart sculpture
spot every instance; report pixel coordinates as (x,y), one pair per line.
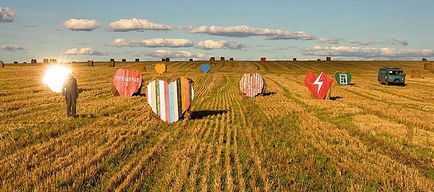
(251,85)
(170,100)
(318,86)
(160,68)
(127,82)
(205,68)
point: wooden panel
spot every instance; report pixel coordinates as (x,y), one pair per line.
(173,98)
(251,85)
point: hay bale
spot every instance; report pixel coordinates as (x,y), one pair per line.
(427,66)
(263,59)
(416,73)
(328,58)
(222,58)
(294,59)
(167,59)
(45,61)
(231,59)
(90,63)
(190,60)
(212,59)
(33,61)
(124,60)
(424,59)
(2,64)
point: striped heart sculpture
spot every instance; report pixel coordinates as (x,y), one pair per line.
(251,85)
(170,100)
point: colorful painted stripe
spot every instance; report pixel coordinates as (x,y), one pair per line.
(170,100)
(251,85)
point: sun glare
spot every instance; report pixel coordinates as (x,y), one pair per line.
(55,76)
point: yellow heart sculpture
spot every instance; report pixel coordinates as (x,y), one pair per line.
(160,68)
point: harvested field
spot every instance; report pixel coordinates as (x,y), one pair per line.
(372,137)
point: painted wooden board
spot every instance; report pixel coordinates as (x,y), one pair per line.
(205,68)
(318,86)
(170,100)
(343,78)
(127,82)
(160,68)
(251,85)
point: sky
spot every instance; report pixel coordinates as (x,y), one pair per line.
(241,29)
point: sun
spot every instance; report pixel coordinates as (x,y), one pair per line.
(55,77)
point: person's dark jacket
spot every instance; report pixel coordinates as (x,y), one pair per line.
(70,88)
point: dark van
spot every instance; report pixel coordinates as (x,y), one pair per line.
(388,75)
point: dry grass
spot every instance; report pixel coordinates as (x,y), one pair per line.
(372,137)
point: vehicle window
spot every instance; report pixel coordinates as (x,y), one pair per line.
(397,72)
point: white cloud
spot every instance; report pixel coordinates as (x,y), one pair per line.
(124,25)
(84,51)
(367,42)
(7,14)
(211,44)
(397,41)
(11,48)
(330,40)
(81,24)
(246,31)
(157,42)
(366,52)
(175,54)
(400,41)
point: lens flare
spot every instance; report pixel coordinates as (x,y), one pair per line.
(55,76)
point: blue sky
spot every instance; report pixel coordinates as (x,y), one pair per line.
(382,29)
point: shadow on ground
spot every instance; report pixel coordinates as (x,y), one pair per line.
(206,113)
(268,93)
(87,116)
(334,98)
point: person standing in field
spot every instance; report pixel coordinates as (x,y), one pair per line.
(70,91)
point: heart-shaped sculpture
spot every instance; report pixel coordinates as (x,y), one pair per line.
(205,67)
(319,86)
(160,68)
(251,85)
(127,82)
(170,100)
(343,78)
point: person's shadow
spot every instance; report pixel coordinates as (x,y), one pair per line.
(205,113)
(268,93)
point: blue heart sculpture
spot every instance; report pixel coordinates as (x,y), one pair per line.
(205,67)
